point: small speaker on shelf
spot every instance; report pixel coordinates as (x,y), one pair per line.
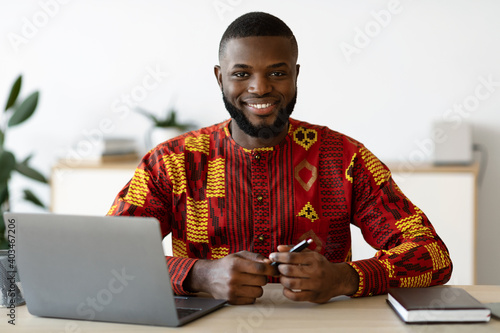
(452,143)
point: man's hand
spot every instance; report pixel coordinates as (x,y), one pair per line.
(309,276)
(238,277)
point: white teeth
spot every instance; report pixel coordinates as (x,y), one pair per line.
(260,106)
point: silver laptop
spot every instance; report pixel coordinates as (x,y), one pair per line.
(99,268)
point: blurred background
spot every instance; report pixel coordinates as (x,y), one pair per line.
(382,72)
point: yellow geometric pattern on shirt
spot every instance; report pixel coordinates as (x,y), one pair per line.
(308,212)
(388,267)
(258,149)
(417,210)
(348,171)
(349,256)
(138,188)
(397,188)
(179,248)
(400,249)
(439,258)
(423,280)
(412,227)
(197,221)
(174,164)
(111,210)
(379,173)
(305,137)
(361,286)
(219,252)
(198,143)
(312,179)
(216,178)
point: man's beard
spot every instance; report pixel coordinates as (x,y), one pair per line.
(261,131)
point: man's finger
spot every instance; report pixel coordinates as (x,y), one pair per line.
(296,271)
(284,248)
(294,283)
(254,263)
(287,248)
(251,256)
(298,295)
(296,258)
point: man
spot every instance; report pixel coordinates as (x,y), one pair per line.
(235,193)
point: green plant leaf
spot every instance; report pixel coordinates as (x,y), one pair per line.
(14,92)
(2,138)
(3,243)
(2,227)
(172,116)
(151,116)
(4,196)
(24,169)
(7,164)
(24,110)
(170,119)
(31,197)
(27,159)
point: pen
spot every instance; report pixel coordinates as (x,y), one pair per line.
(297,248)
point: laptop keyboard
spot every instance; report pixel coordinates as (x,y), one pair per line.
(181,311)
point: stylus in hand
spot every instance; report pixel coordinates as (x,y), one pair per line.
(297,248)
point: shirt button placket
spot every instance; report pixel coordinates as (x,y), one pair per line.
(260,189)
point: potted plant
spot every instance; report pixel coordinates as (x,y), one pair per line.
(163,128)
(16,112)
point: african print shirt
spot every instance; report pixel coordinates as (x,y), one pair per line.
(217,198)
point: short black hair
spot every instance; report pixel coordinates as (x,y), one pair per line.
(257,24)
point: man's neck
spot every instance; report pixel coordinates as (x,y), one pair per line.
(250,142)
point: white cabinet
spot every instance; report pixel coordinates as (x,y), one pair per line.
(89,188)
(447,195)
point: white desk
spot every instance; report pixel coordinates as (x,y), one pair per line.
(274,313)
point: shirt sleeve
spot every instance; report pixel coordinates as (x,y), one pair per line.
(148,193)
(410,253)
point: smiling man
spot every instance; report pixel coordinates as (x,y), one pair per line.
(233,194)
(259,88)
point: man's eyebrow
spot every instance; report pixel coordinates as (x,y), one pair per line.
(241,66)
(279,64)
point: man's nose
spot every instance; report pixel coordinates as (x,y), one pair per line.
(259,85)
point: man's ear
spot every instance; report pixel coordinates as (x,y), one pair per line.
(297,68)
(218,75)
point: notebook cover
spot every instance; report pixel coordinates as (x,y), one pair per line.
(435,298)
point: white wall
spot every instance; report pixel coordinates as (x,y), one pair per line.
(86,57)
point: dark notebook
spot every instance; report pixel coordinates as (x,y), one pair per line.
(436,304)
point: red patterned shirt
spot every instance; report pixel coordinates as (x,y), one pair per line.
(217,198)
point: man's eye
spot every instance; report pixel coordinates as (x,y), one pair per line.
(240,74)
(277,74)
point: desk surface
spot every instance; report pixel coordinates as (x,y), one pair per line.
(274,313)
